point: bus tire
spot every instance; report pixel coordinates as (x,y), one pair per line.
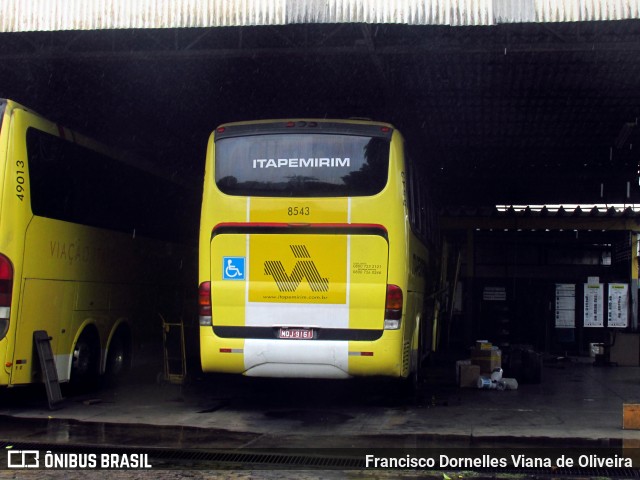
(85,361)
(118,357)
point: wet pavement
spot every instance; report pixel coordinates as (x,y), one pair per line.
(575,405)
(574,402)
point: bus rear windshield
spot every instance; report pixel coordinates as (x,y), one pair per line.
(302,165)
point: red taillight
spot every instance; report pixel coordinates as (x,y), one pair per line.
(204,299)
(6,281)
(220,129)
(393,306)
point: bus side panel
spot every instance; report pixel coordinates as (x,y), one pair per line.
(5,134)
(14,218)
(389,208)
(111,281)
(46,305)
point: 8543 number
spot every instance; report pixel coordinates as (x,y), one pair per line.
(296,211)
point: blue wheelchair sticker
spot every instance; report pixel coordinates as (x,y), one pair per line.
(233,268)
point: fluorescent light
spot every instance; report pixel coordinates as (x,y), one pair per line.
(618,207)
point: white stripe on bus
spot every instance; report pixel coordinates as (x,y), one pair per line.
(267,314)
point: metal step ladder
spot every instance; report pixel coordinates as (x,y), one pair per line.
(175,359)
(48,368)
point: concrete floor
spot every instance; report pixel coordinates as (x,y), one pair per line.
(575,410)
(576,403)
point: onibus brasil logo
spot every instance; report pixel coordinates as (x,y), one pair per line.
(20,459)
(303,269)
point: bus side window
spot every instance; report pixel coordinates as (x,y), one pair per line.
(51,179)
(73,183)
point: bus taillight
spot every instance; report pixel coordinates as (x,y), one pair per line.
(6,287)
(204,304)
(393,308)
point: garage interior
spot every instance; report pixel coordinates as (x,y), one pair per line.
(527,130)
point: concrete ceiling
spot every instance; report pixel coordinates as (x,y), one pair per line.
(504,114)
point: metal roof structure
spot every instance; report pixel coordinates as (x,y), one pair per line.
(543,217)
(503,101)
(56,15)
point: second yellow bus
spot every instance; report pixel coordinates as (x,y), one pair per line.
(92,249)
(318,252)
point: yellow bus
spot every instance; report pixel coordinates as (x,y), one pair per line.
(90,252)
(318,252)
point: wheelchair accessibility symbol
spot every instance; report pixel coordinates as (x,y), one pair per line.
(233,268)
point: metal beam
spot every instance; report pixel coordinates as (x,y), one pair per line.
(511,223)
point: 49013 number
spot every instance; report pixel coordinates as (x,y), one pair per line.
(20,180)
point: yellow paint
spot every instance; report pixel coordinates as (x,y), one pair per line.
(298,269)
(368,281)
(210,346)
(227,297)
(325,210)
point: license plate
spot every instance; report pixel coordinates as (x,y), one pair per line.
(296,333)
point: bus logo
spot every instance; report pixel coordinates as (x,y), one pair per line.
(304,268)
(233,268)
(23,459)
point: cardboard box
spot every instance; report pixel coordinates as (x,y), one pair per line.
(625,350)
(487,360)
(469,375)
(483,345)
(631,449)
(631,416)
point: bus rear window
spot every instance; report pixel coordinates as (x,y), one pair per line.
(302,165)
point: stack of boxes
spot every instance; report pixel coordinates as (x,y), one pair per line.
(485,357)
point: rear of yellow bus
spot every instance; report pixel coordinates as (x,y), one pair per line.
(303,250)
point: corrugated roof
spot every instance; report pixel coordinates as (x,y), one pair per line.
(51,15)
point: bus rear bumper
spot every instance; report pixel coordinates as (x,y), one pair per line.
(301,358)
(296,358)
(298,370)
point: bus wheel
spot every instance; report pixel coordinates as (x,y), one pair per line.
(119,357)
(84,364)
